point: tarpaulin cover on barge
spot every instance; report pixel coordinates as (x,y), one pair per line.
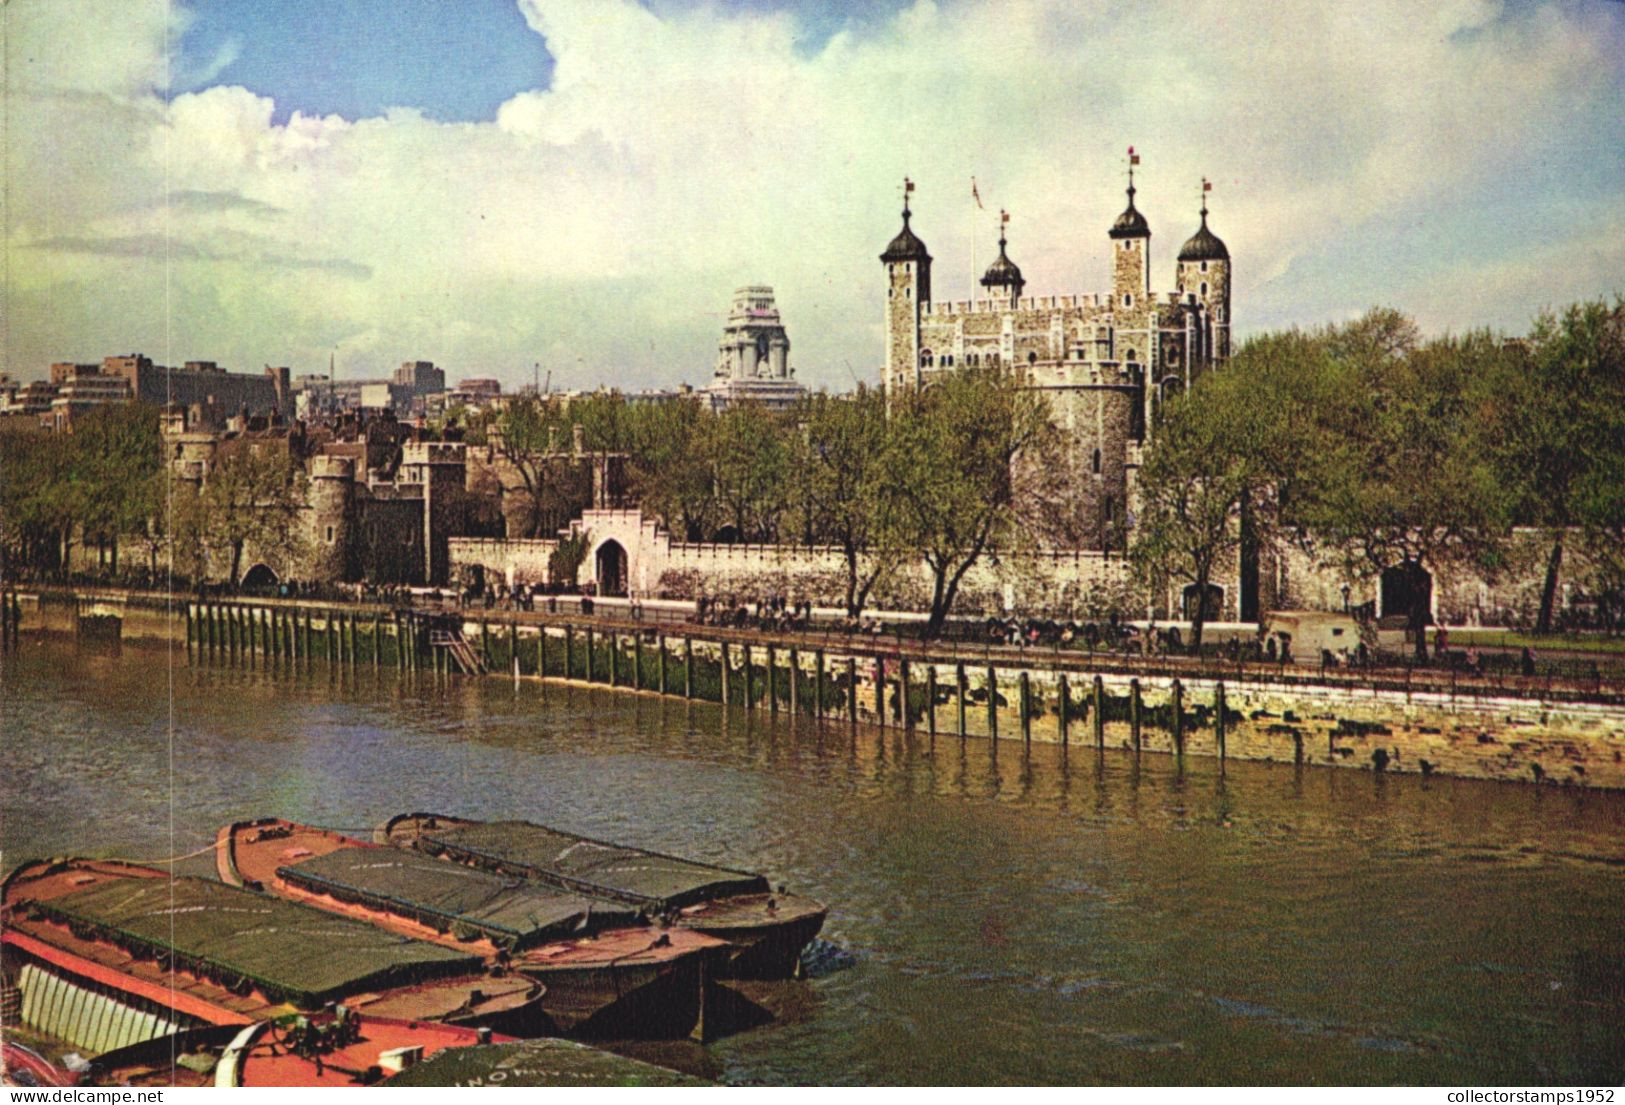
(552,1063)
(245,941)
(449,897)
(591,866)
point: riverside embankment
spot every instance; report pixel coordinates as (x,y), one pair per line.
(1398,721)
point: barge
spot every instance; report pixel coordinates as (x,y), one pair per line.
(337,1048)
(552,1064)
(608,973)
(105,954)
(766,930)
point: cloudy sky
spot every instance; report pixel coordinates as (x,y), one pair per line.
(582,183)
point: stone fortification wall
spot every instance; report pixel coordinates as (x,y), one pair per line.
(656,566)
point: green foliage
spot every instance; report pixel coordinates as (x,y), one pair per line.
(950,457)
(845,495)
(252,497)
(564,563)
(750,466)
(104,477)
(1557,420)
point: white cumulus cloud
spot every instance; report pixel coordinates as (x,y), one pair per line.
(599,225)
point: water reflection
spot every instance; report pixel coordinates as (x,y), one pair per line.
(1020,913)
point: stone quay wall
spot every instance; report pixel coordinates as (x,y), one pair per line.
(1557,735)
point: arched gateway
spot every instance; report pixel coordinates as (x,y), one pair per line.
(609,563)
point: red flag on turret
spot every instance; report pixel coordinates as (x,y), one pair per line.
(1207,185)
(1133,158)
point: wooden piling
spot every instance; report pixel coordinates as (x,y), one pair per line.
(591,644)
(1064,719)
(688,666)
(818,692)
(903,707)
(660,642)
(852,689)
(614,658)
(750,681)
(727,674)
(1218,718)
(1026,708)
(992,704)
(1134,712)
(190,628)
(1178,702)
(1098,713)
(880,690)
(795,681)
(931,700)
(772,680)
(961,687)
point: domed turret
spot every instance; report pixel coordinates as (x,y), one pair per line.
(907,245)
(1130,224)
(1003,272)
(1204,245)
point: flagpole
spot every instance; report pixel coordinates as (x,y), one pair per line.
(973,210)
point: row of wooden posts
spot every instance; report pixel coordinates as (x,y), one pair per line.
(241,633)
(251,634)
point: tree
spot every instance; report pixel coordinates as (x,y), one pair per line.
(843,498)
(1204,466)
(527,436)
(749,459)
(37,500)
(950,459)
(564,563)
(1558,417)
(670,473)
(1403,477)
(252,496)
(116,453)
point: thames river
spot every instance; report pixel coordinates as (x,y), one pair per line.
(1015,917)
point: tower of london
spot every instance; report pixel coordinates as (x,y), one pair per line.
(1104,360)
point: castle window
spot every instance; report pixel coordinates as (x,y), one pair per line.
(925,358)
(1094,463)
(1127,245)
(908,293)
(1204,288)
(1204,266)
(1128,301)
(329,535)
(1032,358)
(1109,511)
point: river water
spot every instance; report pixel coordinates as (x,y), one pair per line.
(1016,917)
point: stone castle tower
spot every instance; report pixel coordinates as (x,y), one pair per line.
(330,498)
(908,286)
(1104,361)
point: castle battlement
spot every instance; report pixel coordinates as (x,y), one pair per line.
(326,467)
(433,452)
